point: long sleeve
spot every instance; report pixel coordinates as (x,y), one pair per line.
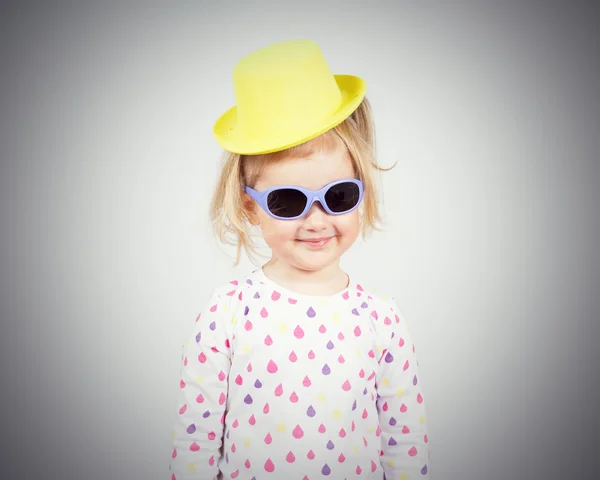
(400,403)
(202,395)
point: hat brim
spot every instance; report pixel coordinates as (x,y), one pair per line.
(233,140)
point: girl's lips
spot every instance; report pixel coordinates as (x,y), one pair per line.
(317,243)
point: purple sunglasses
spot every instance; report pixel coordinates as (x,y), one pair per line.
(289,202)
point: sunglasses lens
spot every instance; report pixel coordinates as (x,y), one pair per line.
(342,197)
(286,202)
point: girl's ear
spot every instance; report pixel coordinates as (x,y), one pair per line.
(249,206)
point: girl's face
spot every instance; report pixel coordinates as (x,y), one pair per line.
(284,237)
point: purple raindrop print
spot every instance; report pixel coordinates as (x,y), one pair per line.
(326,470)
(354,405)
(392,421)
(198,337)
(424,470)
(415,380)
(191,428)
(206,414)
(329,345)
(389,358)
(311,411)
(355,311)
(257,384)
(310,312)
(246,310)
(326,370)
(364,305)
(330,445)
(248,399)
(249,282)
(392,442)
(257,295)
(212,326)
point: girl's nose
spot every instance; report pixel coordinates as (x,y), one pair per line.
(316,216)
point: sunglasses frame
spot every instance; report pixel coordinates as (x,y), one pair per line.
(311,195)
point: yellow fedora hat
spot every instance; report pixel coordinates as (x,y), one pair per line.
(285,95)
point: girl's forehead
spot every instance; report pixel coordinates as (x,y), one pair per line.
(311,172)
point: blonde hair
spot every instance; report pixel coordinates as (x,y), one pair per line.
(356,134)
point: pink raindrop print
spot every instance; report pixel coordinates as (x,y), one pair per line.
(298,332)
(252,420)
(271,367)
(293,356)
(403,408)
(311,354)
(322,428)
(294,397)
(239,380)
(405,429)
(202,357)
(275,295)
(346,386)
(358,470)
(269,467)
(373,466)
(268,439)
(306,382)
(311,455)
(194,447)
(266,408)
(279,390)
(357,331)
(405,367)
(268,340)
(341,359)
(298,432)
(419,398)
(322,329)
(290,457)
(248,325)
(264,313)
(412,452)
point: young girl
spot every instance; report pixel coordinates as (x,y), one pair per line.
(297,370)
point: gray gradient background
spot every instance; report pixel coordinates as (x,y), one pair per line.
(491,242)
